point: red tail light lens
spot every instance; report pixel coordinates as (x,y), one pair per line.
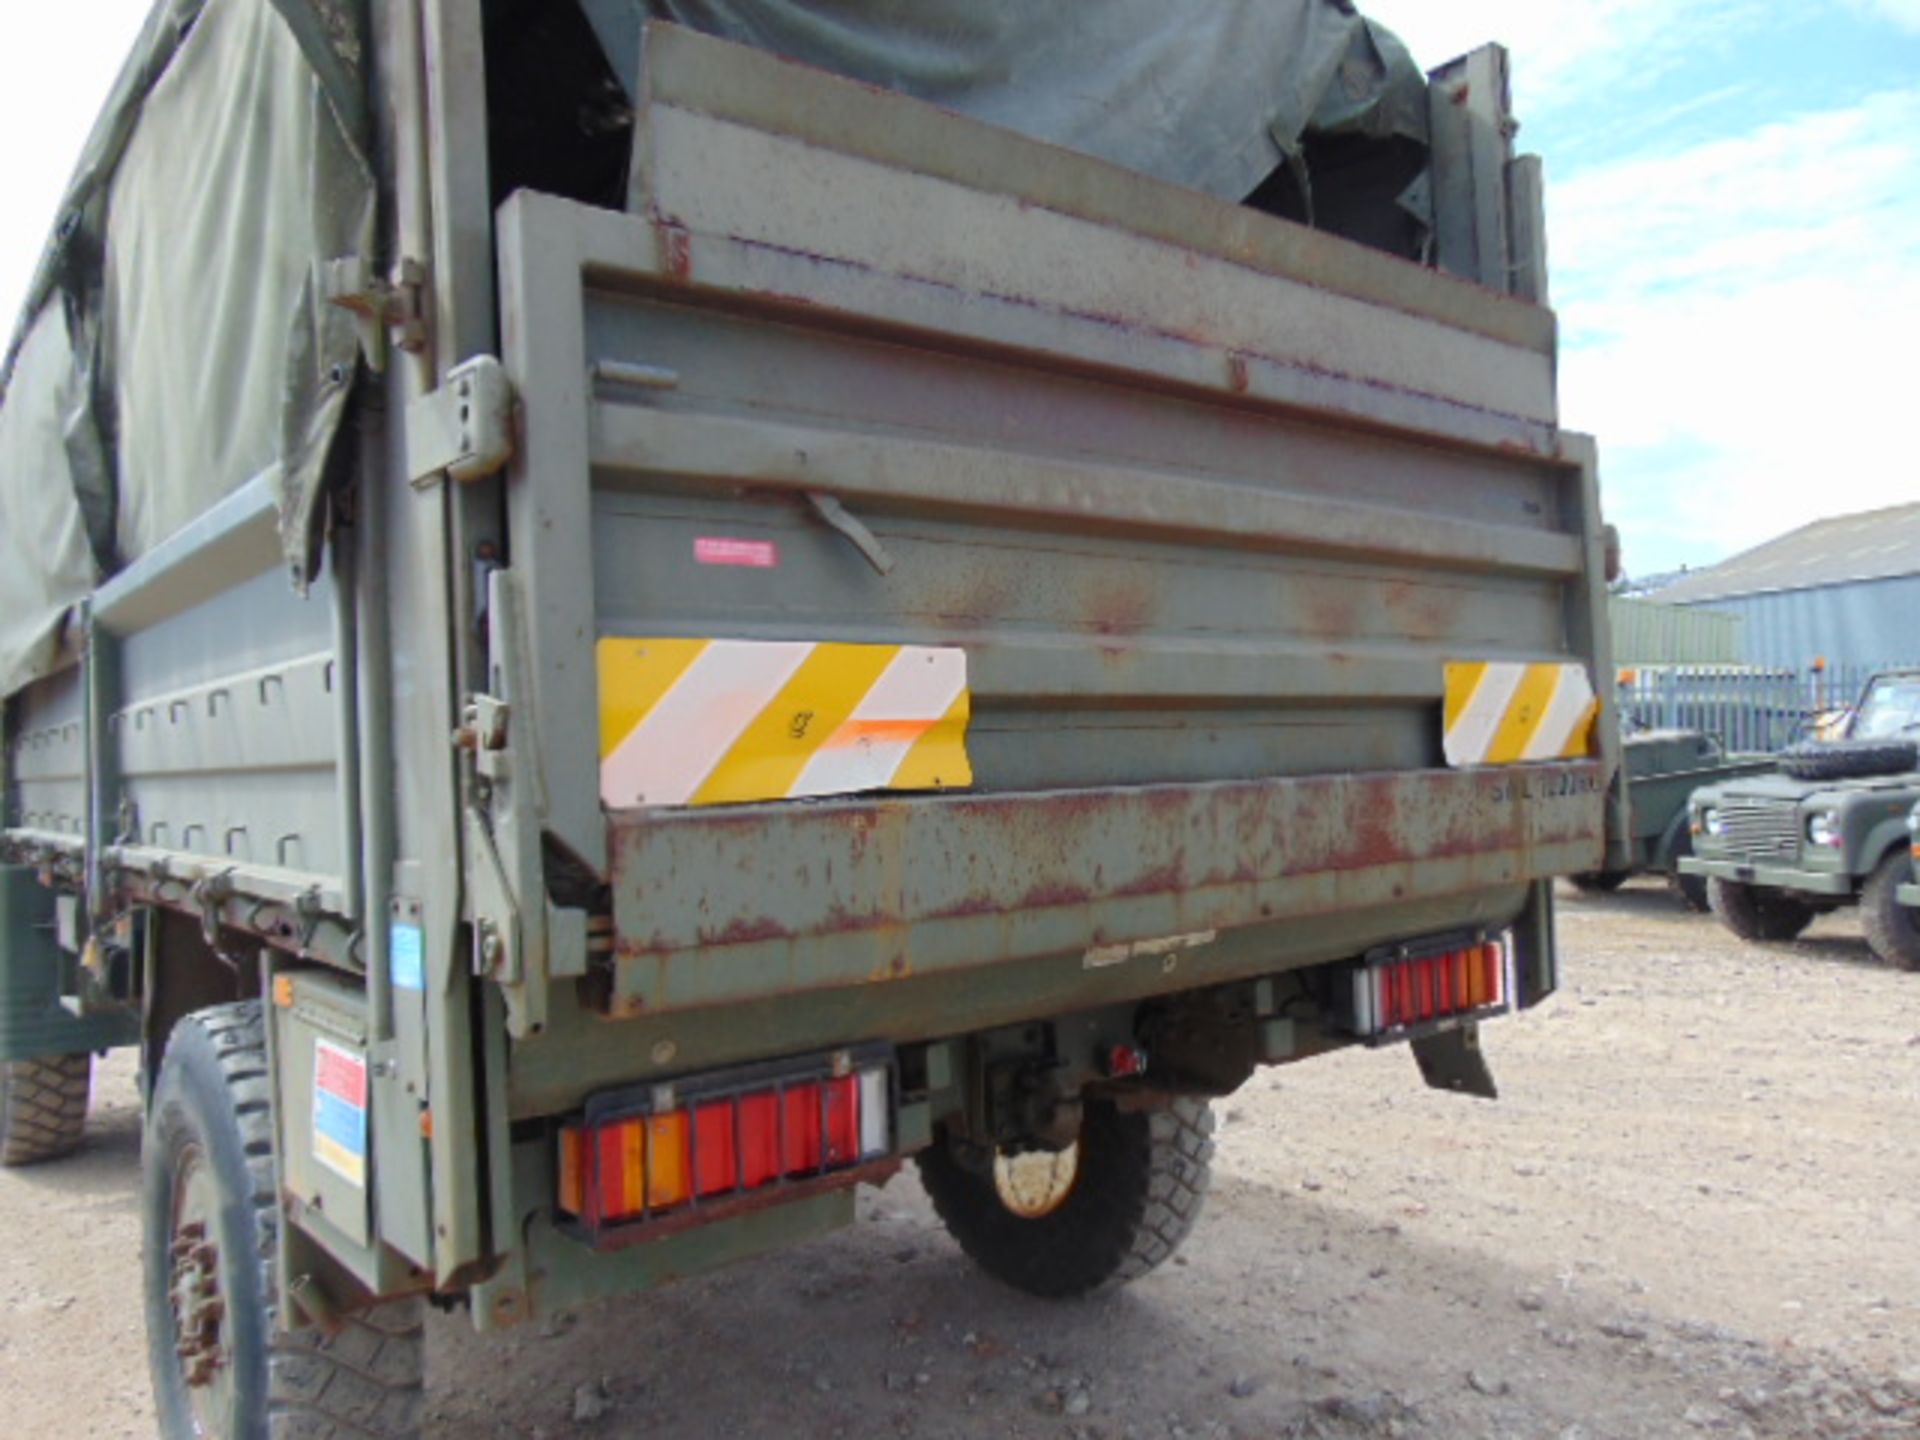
(652,1153)
(716,1148)
(1394,994)
(800,1151)
(759,1139)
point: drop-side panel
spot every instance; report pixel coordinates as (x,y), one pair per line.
(47,759)
(225,743)
(1150,587)
(1207,526)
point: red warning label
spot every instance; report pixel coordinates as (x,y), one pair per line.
(746,554)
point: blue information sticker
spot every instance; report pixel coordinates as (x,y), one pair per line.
(407,957)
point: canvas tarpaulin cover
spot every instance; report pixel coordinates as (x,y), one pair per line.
(1211,94)
(46,564)
(186,276)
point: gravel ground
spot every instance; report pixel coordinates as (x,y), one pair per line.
(1693,1213)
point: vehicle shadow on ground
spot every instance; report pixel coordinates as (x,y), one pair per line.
(1642,899)
(1650,900)
(1283,1316)
(1829,950)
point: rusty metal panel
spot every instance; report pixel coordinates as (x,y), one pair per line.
(795,898)
(1208,501)
(690,75)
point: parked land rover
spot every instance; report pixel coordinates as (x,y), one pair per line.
(1663,768)
(1827,832)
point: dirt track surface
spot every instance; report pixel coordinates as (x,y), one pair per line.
(1695,1212)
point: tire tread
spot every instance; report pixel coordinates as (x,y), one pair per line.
(43,1108)
(1892,930)
(1757,916)
(365,1380)
(1113,1230)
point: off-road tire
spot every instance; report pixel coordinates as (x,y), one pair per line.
(1600,882)
(1689,890)
(43,1108)
(1757,915)
(1849,759)
(1142,1179)
(1892,929)
(362,1382)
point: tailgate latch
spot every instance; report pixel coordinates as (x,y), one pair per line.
(463,430)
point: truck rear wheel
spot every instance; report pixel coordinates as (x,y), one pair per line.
(1892,929)
(210,1219)
(43,1107)
(1756,914)
(1102,1213)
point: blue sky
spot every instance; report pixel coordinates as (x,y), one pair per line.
(1734,222)
(1734,213)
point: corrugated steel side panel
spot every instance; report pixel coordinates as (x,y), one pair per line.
(1872,622)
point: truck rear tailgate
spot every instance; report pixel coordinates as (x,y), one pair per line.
(1207,501)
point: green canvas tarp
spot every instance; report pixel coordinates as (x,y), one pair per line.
(46,564)
(177,341)
(1210,94)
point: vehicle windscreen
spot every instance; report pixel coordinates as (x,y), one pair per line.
(1890,707)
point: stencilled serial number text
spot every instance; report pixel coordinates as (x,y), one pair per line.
(1571,784)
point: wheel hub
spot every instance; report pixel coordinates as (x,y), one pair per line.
(199,1312)
(202,1339)
(1035,1183)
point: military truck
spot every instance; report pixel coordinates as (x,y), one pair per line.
(612,632)
(1663,768)
(1828,831)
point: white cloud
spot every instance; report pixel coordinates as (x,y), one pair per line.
(57,63)
(1738,318)
(1732,311)
(1564,50)
(1904,13)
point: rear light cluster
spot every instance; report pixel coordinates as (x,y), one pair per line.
(1396,993)
(647,1153)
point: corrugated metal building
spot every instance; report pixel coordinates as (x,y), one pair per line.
(1646,633)
(1846,590)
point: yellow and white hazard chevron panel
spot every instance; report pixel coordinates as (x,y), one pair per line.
(719,722)
(1504,713)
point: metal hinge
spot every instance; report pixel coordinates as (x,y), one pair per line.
(465,428)
(395,305)
(483,733)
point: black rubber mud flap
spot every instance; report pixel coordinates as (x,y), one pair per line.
(1452,1060)
(1536,961)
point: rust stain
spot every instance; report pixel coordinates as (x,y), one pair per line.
(972,907)
(1425,612)
(1120,608)
(841,921)
(1160,881)
(1331,614)
(746,932)
(1052,895)
(676,252)
(1214,849)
